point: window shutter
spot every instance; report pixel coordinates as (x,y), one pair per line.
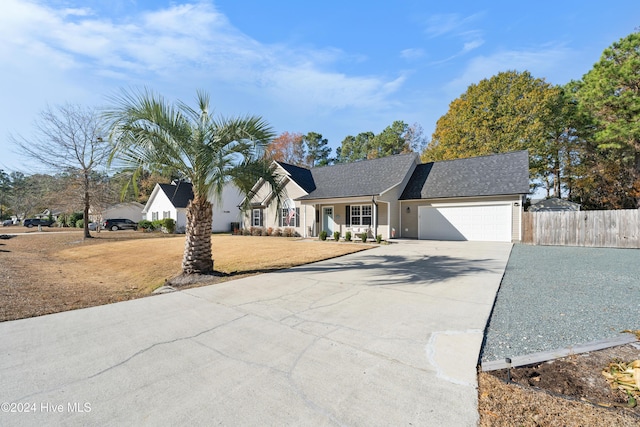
(280,220)
(348,216)
(261,217)
(297,217)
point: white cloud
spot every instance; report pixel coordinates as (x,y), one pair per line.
(474,44)
(444,24)
(458,28)
(412,54)
(177,41)
(541,62)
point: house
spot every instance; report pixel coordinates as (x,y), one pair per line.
(554,204)
(171,200)
(53,214)
(479,198)
(128,210)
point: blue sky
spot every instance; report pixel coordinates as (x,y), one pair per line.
(333,67)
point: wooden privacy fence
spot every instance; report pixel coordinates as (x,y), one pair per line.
(609,229)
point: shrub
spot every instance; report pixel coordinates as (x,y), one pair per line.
(146,225)
(278,232)
(347,236)
(289,232)
(246,231)
(323,235)
(336,235)
(264,232)
(269,232)
(379,238)
(168,225)
(157,224)
(363,237)
(256,231)
(80,223)
(73,218)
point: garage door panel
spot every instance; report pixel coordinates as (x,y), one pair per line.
(478,222)
(440,226)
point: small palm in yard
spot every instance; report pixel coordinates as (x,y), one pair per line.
(150,133)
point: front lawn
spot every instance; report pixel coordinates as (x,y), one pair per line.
(51,272)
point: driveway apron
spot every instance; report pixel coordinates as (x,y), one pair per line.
(388,336)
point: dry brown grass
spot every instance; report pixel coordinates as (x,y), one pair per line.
(49,272)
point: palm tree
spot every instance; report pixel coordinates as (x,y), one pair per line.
(149,133)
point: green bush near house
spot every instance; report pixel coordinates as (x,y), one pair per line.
(363,237)
(73,218)
(336,235)
(379,238)
(323,235)
(157,224)
(347,236)
(80,223)
(169,225)
(146,225)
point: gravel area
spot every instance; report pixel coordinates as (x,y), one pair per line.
(553,297)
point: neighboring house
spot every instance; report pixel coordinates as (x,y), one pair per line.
(128,210)
(171,200)
(554,204)
(49,213)
(478,198)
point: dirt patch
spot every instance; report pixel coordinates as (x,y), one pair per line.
(570,391)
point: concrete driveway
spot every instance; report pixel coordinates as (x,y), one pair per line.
(389,336)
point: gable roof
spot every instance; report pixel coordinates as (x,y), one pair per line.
(554,204)
(179,194)
(497,174)
(301,176)
(363,178)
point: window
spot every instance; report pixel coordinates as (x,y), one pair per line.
(154,216)
(360,215)
(166,214)
(289,217)
(256,218)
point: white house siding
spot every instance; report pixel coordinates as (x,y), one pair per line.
(226,210)
(161,205)
(409,227)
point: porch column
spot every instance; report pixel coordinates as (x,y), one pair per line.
(304,220)
(375,217)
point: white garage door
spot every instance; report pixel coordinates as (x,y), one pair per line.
(476,223)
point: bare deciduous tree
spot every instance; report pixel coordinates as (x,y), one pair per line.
(69,139)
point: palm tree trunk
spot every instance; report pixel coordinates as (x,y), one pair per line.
(197,246)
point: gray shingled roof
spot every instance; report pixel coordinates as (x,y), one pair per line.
(477,176)
(179,194)
(554,204)
(363,178)
(302,176)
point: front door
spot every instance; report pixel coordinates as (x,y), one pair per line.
(327,220)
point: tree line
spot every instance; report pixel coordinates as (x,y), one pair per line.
(312,149)
(583,137)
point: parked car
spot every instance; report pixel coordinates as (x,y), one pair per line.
(7,222)
(34,222)
(119,224)
(93,226)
